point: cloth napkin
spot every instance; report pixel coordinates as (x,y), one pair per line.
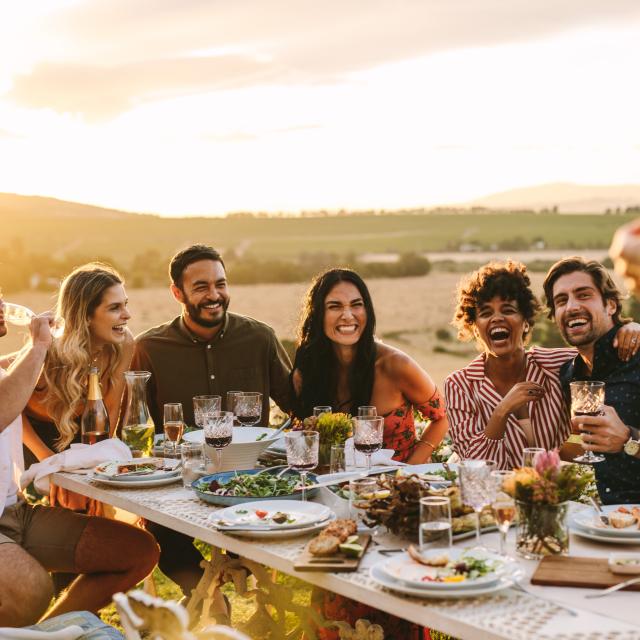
(78,456)
(382,457)
(70,633)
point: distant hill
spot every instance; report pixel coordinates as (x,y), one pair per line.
(567,197)
(38,206)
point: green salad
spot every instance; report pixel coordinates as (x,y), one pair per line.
(263,485)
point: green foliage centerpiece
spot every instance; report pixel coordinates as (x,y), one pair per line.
(542,495)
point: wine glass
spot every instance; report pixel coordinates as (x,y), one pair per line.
(22,316)
(319,410)
(529,456)
(302,453)
(587,398)
(367,436)
(248,408)
(173,424)
(503,506)
(203,405)
(218,432)
(477,487)
(367,412)
(230,403)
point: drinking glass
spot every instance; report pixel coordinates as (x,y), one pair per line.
(203,405)
(367,412)
(435,523)
(248,408)
(367,436)
(503,506)
(529,456)
(587,398)
(302,453)
(21,317)
(319,410)
(477,487)
(361,492)
(191,454)
(218,432)
(173,425)
(337,461)
(230,403)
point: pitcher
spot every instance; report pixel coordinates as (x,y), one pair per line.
(138,428)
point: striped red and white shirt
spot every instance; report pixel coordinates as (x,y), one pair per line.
(471,398)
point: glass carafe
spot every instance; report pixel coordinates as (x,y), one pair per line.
(137,426)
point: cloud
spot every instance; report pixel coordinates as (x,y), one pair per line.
(9,135)
(119,53)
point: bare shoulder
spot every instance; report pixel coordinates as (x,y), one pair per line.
(391,361)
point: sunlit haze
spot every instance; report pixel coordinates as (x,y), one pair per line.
(197,107)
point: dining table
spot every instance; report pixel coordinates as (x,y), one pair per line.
(523,611)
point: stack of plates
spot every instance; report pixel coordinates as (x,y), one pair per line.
(587,524)
(255,519)
(107,474)
(404,575)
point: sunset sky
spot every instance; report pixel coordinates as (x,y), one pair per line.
(209,106)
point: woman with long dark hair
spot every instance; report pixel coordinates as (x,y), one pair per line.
(340,364)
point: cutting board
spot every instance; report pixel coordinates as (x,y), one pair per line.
(339,562)
(569,571)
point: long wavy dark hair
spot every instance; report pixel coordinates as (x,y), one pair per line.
(315,357)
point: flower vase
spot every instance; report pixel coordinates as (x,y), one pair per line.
(324,456)
(542,529)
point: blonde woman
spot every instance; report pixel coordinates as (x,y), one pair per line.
(93,303)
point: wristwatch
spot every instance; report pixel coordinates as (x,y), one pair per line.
(632,447)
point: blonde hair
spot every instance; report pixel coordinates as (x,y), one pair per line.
(69,357)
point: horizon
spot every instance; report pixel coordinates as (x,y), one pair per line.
(312,108)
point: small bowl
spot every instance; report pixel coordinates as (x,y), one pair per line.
(624,563)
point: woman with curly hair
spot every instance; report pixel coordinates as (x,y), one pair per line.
(93,303)
(340,364)
(509,397)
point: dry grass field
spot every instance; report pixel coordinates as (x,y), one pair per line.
(409,312)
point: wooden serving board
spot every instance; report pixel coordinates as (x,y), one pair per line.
(569,571)
(338,562)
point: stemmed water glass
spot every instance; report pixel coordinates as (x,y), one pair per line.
(503,506)
(21,316)
(587,398)
(173,424)
(302,453)
(367,436)
(203,406)
(248,408)
(367,412)
(477,487)
(218,432)
(320,409)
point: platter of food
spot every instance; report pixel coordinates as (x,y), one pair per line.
(620,522)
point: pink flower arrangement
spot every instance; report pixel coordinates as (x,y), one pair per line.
(547,463)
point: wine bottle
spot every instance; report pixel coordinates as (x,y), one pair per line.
(95,419)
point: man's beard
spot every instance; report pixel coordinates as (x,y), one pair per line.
(194,313)
(587,338)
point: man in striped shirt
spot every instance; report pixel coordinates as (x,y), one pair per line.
(586,305)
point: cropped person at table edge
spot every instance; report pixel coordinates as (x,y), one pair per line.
(110,556)
(586,305)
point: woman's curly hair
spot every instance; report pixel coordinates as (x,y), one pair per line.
(508,280)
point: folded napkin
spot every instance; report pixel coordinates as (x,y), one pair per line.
(70,633)
(78,456)
(382,457)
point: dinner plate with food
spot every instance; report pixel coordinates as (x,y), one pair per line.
(138,472)
(616,521)
(237,487)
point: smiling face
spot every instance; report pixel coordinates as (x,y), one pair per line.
(580,312)
(108,322)
(500,326)
(345,317)
(204,293)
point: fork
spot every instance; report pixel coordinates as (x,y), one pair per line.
(616,587)
(603,518)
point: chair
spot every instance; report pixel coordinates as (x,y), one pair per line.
(162,620)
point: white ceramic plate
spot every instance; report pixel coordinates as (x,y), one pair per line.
(384,581)
(136,484)
(411,573)
(278,533)
(583,533)
(587,520)
(303,514)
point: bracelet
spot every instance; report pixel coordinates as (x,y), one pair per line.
(433,446)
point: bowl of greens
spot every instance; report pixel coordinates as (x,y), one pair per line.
(236,487)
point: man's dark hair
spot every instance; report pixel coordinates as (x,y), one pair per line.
(187,256)
(600,276)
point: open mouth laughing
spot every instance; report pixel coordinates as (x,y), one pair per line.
(499,335)
(119,328)
(347,329)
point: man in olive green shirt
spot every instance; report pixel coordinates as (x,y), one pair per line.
(208,350)
(205,351)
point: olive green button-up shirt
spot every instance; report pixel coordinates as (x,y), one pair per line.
(245,355)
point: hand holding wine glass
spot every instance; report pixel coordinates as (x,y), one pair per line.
(587,399)
(21,316)
(302,453)
(367,436)
(218,432)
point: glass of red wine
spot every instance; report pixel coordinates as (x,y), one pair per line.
(302,453)
(367,435)
(587,399)
(218,432)
(248,408)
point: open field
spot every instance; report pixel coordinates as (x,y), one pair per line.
(409,312)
